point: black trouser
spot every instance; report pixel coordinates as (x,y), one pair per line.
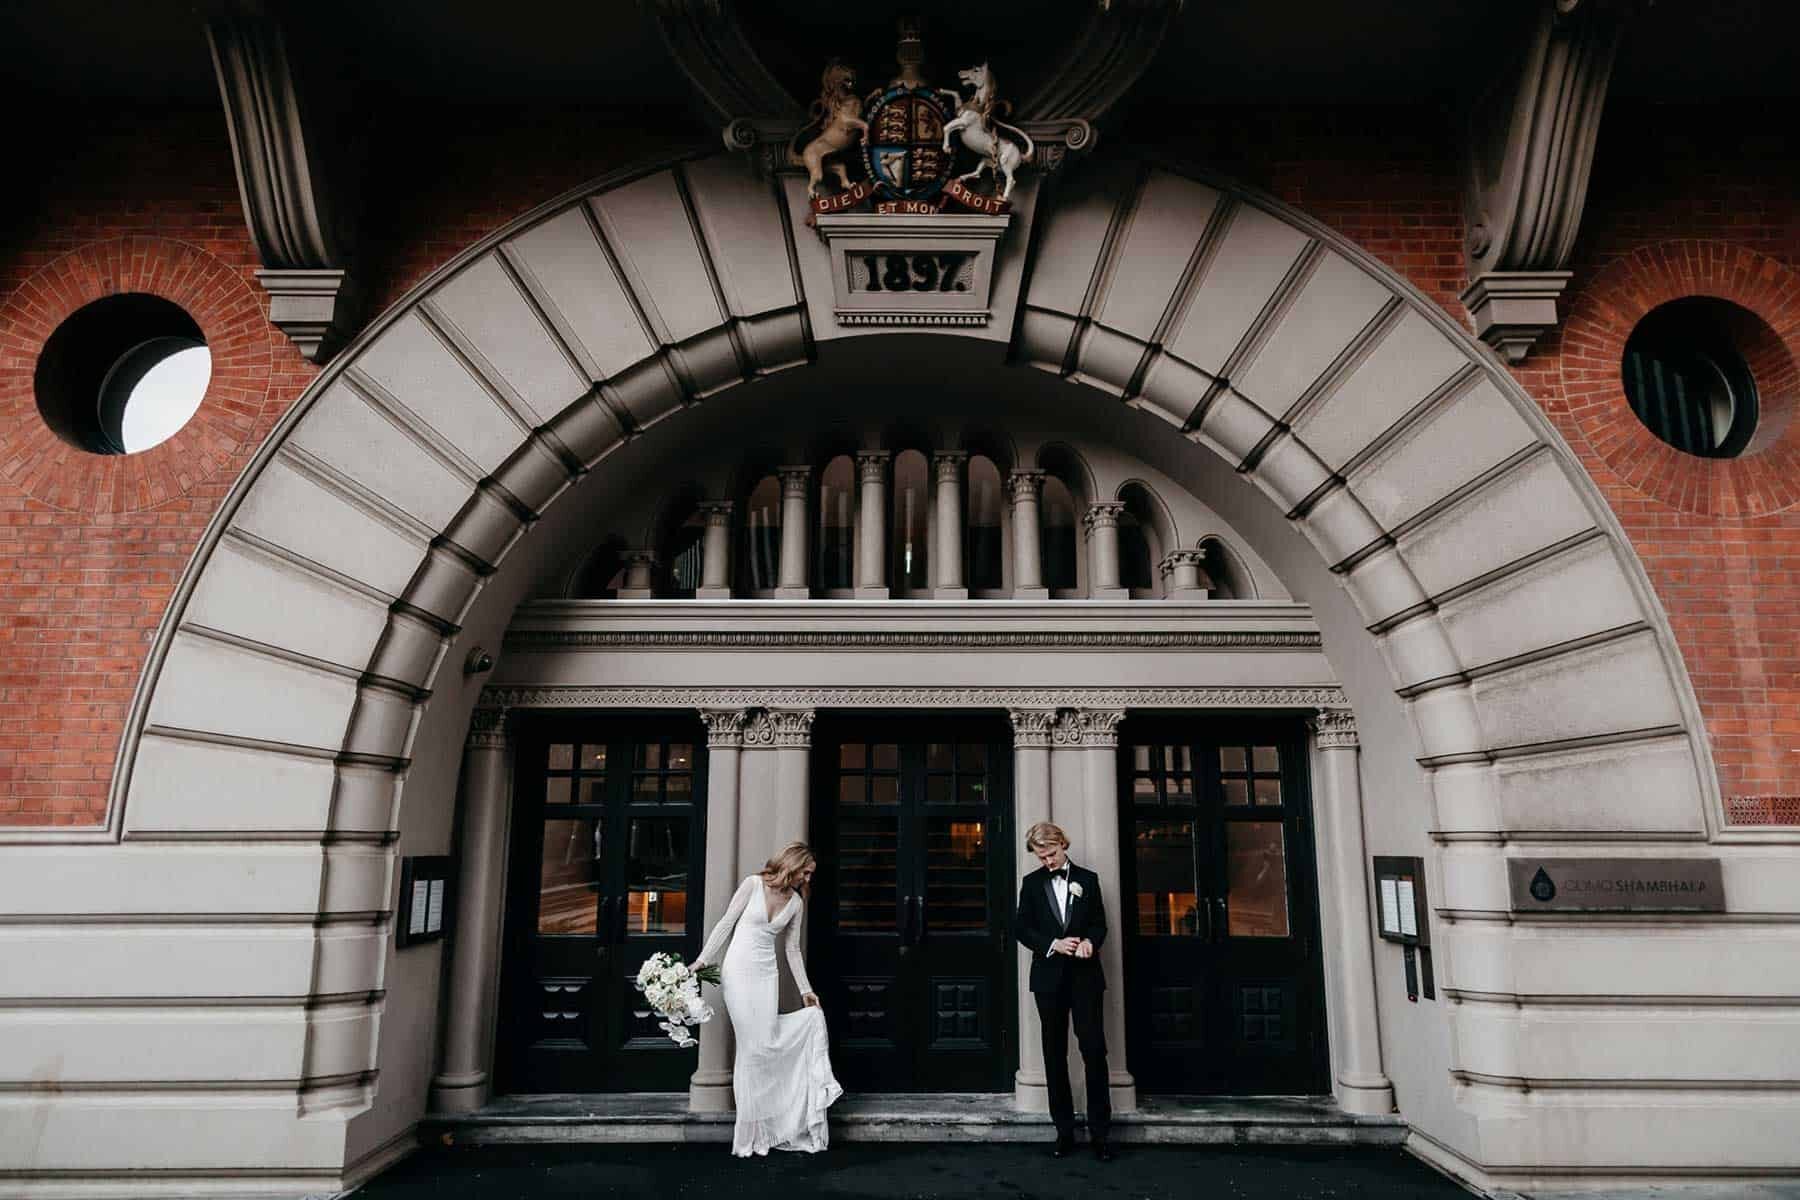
(1055,1009)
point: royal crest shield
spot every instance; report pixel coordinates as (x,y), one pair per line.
(904,147)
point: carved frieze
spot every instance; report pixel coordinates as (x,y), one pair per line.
(808,698)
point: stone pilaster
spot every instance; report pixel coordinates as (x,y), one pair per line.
(1032,728)
(710,1088)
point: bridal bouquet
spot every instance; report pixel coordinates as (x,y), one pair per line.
(673,990)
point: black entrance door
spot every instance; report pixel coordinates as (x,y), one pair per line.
(605,871)
(1224,984)
(910,947)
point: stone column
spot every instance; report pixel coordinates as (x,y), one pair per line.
(947,553)
(715,551)
(462,1082)
(1031,804)
(1025,487)
(709,1090)
(640,575)
(790,581)
(1100,529)
(1362,1085)
(871,524)
(1184,575)
(1099,733)
(777,813)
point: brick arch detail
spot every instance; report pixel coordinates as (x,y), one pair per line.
(1763,480)
(231,317)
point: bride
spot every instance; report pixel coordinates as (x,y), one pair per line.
(781,1077)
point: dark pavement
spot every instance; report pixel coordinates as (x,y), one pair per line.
(898,1171)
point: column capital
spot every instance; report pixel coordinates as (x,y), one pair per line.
(1099,726)
(716,512)
(872,465)
(1102,514)
(949,464)
(1032,727)
(794,479)
(779,729)
(1181,558)
(725,727)
(640,557)
(487,729)
(1335,729)
(1025,484)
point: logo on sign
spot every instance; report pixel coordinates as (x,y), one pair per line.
(1543,889)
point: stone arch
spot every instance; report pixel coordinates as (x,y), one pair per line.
(338,573)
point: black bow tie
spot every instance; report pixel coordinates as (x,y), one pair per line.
(1062,874)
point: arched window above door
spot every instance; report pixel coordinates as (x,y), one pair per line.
(911,571)
(987,541)
(834,556)
(760,563)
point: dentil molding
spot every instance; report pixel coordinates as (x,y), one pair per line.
(807,698)
(910,639)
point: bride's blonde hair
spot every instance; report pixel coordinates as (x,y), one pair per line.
(783,870)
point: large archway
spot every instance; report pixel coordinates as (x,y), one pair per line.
(309,679)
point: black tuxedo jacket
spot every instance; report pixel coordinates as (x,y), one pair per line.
(1036,925)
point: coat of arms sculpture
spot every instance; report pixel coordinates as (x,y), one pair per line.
(912,242)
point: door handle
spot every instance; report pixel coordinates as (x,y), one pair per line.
(1206,907)
(918,919)
(1223,924)
(601,928)
(906,923)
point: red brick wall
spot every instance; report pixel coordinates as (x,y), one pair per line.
(92,549)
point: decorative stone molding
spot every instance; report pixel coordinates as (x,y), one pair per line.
(1530,145)
(717,513)
(724,727)
(1186,573)
(1065,730)
(776,699)
(1102,514)
(640,575)
(794,481)
(917,639)
(779,729)
(948,465)
(283,180)
(1334,729)
(1099,727)
(872,465)
(1032,726)
(487,729)
(1026,483)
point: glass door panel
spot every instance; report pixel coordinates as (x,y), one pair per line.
(607,845)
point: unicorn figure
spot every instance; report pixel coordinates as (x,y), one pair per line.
(978,129)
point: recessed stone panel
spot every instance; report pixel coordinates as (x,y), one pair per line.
(351,437)
(1553,699)
(582,290)
(1411,360)
(1257,252)
(1530,508)
(299,512)
(214,687)
(648,227)
(420,372)
(259,596)
(1474,432)
(1333,305)
(1165,226)
(181,786)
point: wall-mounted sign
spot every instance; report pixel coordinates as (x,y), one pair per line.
(1400,916)
(1615,885)
(424,892)
(912,270)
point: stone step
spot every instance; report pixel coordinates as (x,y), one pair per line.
(919,1117)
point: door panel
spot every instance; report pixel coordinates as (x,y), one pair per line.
(1224,980)
(606,862)
(912,903)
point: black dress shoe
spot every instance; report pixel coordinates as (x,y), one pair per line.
(1064,1146)
(1103,1150)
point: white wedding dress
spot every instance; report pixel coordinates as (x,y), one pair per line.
(781,1076)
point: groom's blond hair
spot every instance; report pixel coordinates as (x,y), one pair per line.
(783,870)
(1045,833)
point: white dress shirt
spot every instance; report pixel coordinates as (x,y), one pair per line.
(1060,886)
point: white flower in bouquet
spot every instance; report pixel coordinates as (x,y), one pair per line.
(672,989)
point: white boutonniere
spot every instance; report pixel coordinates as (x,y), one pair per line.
(1075,890)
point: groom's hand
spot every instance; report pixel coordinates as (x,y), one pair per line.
(1085,949)
(1065,945)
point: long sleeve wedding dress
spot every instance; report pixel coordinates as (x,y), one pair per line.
(781,1075)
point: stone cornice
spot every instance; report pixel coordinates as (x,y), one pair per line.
(909,639)
(852,696)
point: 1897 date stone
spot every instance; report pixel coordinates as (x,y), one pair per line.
(1630,885)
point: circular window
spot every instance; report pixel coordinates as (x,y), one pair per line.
(1686,379)
(122,374)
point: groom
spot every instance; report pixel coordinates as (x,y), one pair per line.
(1061,921)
